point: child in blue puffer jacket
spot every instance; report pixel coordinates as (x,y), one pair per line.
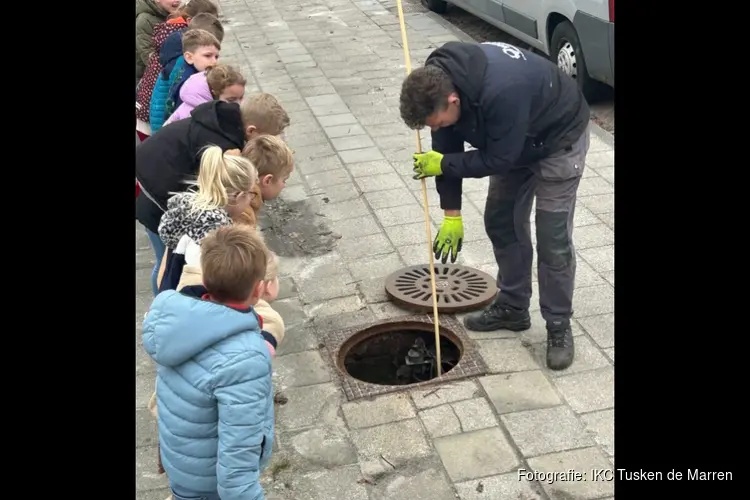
(214,391)
(198,50)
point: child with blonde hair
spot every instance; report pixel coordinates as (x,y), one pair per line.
(220,82)
(274,161)
(225,184)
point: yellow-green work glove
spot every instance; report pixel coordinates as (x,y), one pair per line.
(427,164)
(449,239)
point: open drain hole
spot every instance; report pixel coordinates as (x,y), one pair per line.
(398,354)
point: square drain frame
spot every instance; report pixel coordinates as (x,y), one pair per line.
(470,365)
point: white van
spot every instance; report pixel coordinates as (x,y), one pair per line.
(578,34)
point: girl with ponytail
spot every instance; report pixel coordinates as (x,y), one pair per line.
(224,190)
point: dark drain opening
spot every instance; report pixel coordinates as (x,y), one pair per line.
(398,354)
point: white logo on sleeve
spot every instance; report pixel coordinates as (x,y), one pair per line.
(508,49)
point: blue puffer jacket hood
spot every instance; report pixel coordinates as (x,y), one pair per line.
(214,394)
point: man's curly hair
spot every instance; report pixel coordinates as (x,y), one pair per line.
(424,91)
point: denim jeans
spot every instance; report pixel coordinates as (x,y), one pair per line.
(158,247)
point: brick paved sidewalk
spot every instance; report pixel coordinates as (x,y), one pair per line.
(337,67)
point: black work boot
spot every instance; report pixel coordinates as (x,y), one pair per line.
(498,316)
(560,349)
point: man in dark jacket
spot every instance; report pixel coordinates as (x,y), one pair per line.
(170,157)
(529,124)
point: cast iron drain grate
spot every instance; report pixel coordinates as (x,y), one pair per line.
(459,288)
(340,344)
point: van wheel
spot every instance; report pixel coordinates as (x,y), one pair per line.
(438,6)
(566,52)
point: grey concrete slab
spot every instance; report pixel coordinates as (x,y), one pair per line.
(308,406)
(499,487)
(476,454)
(381,410)
(474,414)
(301,369)
(397,443)
(440,421)
(590,390)
(537,432)
(585,461)
(519,391)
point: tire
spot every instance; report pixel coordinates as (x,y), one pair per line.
(566,52)
(439,6)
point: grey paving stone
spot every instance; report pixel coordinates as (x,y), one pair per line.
(344,130)
(345,118)
(356,227)
(475,454)
(145,428)
(301,369)
(317,164)
(345,210)
(409,234)
(373,267)
(498,488)
(390,198)
(291,310)
(399,215)
(602,259)
(587,357)
(381,410)
(388,310)
(143,363)
(398,442)
(332,286)
(372,290)
(600,328)
(589,391)
(519,391)
(422,482)
(309,406)
(337,193)
(361,155)
(380,182)
(336,306)
(584,460)
(505,355)
(474,414)
(594,185)
(611,353)
(297,338)
(370,168)
(146,470)
(342,482)
(537,432)
(593,301)
(352,142)
(608,218)
(321,447)
(601,425)
(440,421)
(600,159)
(595,235)
(328,178)
(599,203)
(444,393)
(144,387)
(158,494)
(365,246)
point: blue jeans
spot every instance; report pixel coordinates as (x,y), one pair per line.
(186,495)
(158,247)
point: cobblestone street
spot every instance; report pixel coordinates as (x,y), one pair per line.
(337,67)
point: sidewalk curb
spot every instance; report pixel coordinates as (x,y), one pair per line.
(596,129)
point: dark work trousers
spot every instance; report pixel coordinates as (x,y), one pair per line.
(554,180)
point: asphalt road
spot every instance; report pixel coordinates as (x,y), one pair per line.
(603,108)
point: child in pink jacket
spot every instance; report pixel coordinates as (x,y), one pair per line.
(220,82)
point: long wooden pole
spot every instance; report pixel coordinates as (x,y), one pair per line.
(407,60)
